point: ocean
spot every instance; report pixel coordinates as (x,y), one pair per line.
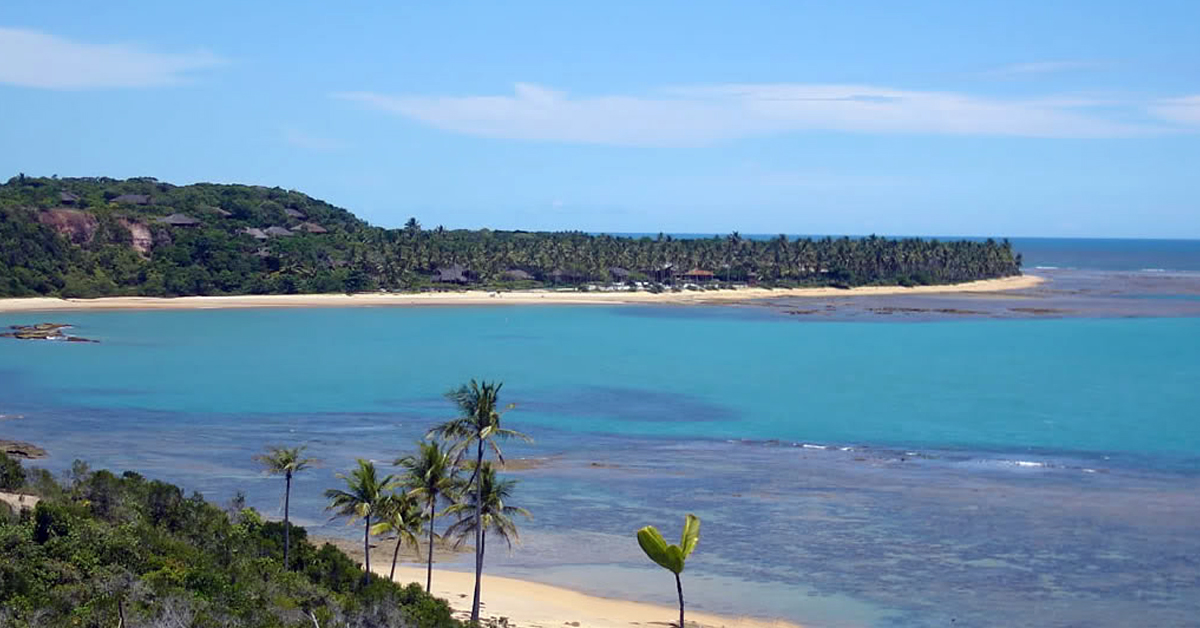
(1025,459)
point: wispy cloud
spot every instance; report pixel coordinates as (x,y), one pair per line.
(1037,68)
(1185,110)
(31,58)
(707,114)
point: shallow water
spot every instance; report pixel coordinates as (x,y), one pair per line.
(991,471)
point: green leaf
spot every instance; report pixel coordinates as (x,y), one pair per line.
(656,548)
(690,536)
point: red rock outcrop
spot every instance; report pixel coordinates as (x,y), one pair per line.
(77,226)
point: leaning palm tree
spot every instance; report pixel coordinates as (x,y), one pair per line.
(399,513)
(285,461)
(361,500)
(430,475)
(496,513)
(479,425)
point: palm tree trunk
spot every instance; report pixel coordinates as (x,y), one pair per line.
(395,555)
(478,530)
(679,588)
(287,498)
(367,550)
(429,567)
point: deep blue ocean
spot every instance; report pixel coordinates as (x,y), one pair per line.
(974,470)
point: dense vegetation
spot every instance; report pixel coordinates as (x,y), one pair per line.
(107,550)
(85,237)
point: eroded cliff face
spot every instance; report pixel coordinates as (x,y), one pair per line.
(140,236)
(77,226)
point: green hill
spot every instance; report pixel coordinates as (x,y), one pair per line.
(90,237)
(107,550)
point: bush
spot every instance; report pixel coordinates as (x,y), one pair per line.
(109,544)
(12,475)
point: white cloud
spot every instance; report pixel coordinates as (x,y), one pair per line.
(33,59)
(707,114)
(1185,110)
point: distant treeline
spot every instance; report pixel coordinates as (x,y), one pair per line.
(89,237)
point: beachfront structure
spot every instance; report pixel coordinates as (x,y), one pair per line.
(452,274)
(663,273)
(566,276)
(516,274)
(618,274)
(698,275)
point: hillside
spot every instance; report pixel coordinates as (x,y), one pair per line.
(90,237)
(100,549)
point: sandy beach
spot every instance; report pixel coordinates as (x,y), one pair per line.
(480,297)
(533,605)
(530,604)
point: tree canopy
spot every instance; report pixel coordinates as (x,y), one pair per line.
(88,237)
(108,550)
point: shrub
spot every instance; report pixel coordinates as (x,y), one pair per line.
(12,475)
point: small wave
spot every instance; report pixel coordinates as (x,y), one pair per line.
(808,446)
(1154,270)
(1045,267)
(1027,463)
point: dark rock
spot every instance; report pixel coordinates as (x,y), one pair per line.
(19,449)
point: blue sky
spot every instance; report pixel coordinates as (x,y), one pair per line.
(953,118)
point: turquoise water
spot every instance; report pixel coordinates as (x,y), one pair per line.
(847,473)
(1074,385)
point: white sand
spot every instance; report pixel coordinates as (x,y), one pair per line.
(476,297)
(533,605)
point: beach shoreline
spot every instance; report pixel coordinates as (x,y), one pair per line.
(482,297)
(527,604)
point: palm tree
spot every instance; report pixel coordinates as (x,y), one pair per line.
(478,424)
(489,505)
(400,513)
(672,557)
(430,475)
(361,500)
(286,461)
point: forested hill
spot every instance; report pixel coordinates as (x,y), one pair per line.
(89,237)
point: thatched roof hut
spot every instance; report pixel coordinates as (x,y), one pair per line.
(310,227)
(567,276)
(67,198)
(294,213)
(178,220)
(257,234)
(451,274)
(516,274)
(278,232)
(616,273)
